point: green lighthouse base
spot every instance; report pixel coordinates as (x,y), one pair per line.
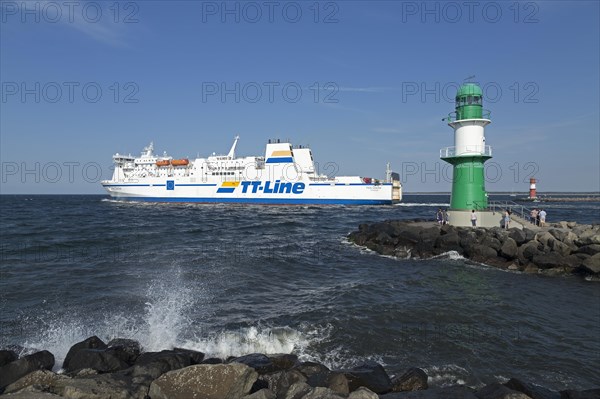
(468,183)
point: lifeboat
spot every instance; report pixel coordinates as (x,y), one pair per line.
(180,162)
(163,162)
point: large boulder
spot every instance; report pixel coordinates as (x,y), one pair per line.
(414,379)
(549,261)
(528,250)
(591,264)
(218,381)
(481,253)
(7,356)
(318,375)
(448,242)
(284,361)
(89,343)
(151,365)
(298,390)
(363,393)
(509,249)
(591,249)
(39,378)
(588,394)
(101,386)
(259,362)
(499,391)
(261,394)
(126,349)
(322,393)
(531,390)
(518,235)
(454,392)
(19,368)
(560,247)
(280,381)
(369,375)
(101,360)
(492,242)
(588,237)
(544,237)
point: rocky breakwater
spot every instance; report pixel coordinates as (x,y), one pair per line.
(120,369)
(563,248)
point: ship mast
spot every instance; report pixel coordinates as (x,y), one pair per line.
(231,154)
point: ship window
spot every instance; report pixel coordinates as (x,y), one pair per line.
(470,100)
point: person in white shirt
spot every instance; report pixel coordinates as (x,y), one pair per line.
(473,218)
(542,218)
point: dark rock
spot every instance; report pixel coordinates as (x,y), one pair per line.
(261,394)
(447,229)
(414,379)
(369,375)
(153,364)
(529,250)
(509,249)
(529,234)
(114,385)
(318,375)
(218,381)
(588,394)
(212,360)
(284,361)
(322,393)
(363,393)
(591,249)
(519,236)
(560,235)
(591,264)
(449,242)
(38,378)
(280,381)
(549,261)
(17,369)
(560,247)
(259,362)
(298,390)
(481,252)
(454,392)
(89,343)
(127,349)
(533,391)
(101,360)
(499,391)
(196,357)
(492,242)
(544,237)
(7,356)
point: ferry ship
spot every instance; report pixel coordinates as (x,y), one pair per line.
(285,175)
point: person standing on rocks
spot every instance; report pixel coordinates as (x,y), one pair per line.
(440,216)
(473,218)
(446,217)
(542,218)
(506,219)
(534,214)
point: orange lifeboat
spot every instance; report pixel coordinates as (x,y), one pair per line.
(180,162)
(163,162)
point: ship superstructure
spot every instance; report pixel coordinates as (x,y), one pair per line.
(284,175)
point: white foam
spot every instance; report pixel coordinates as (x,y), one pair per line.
(446,375)
(452,255)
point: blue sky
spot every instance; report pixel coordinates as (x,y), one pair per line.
(375,79)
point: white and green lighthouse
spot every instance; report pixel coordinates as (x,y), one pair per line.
(468,154)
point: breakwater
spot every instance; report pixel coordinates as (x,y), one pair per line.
(563,248)
(121,369)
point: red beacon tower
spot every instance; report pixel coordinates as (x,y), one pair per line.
(532,189)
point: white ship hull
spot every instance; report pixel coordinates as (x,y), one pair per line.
(285,176)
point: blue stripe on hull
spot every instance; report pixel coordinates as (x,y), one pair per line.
(266,201)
